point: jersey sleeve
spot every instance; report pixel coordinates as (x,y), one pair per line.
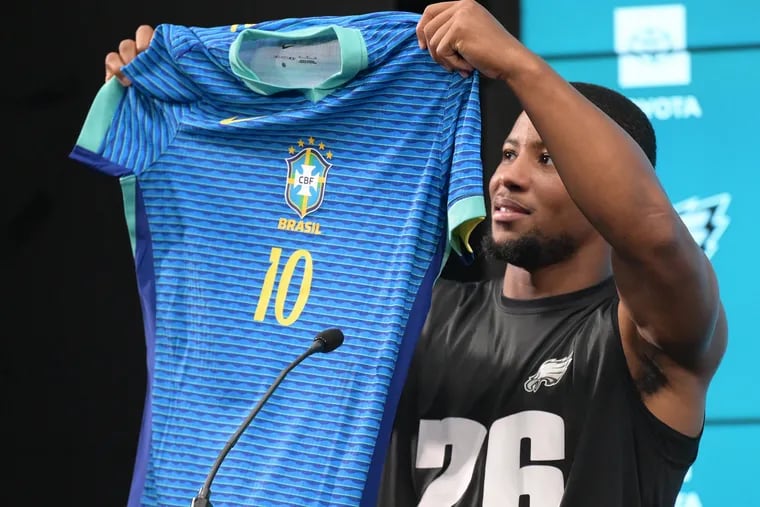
(127,128)
(466,204)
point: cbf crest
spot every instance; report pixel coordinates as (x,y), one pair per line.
(307,177)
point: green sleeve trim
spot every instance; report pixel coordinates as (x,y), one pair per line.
(129,198)
(100,115)
(464,216)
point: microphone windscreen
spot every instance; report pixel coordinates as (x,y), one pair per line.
(331,339)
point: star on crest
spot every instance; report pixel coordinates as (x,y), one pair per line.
(321,145)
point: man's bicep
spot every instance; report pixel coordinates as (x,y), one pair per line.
(672,300)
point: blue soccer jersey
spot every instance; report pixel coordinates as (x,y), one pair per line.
(280,179)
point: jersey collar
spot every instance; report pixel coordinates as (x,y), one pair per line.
(353,58)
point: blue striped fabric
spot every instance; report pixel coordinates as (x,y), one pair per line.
(252,236)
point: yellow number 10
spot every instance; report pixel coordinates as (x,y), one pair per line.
(284,285)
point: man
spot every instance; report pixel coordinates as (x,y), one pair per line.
(580,378)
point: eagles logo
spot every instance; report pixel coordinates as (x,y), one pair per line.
(549,373)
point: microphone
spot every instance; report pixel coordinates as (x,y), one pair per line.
(325,341)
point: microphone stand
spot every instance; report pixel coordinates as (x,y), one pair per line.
(203,497)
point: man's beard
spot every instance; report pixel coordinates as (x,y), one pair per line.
(531,251)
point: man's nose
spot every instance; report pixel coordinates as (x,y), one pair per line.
(514,176)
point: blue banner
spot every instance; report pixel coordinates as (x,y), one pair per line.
(694,68)
(725,473)
(562,27)
(704,106)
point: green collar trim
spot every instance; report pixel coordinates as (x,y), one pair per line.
(353,58)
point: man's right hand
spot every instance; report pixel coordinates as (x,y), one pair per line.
(463,36)
(128,49)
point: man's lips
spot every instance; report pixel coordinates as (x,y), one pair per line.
(505,210)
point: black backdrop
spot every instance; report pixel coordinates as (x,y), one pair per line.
(73,357)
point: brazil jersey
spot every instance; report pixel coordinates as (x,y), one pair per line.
(280,179)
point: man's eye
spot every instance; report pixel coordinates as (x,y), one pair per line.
(508,155)
(545,159)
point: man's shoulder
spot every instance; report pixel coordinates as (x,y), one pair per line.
(455,290)
(457,301)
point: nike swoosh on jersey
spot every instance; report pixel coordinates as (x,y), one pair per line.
(235,119)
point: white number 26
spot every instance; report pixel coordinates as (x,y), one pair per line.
(504,480)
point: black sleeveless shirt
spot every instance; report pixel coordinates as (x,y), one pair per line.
(527,404)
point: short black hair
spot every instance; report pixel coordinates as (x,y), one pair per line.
(625,113)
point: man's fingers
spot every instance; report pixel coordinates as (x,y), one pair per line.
(443,46)
(113,68)
(127,50)
(113,64)
(143,36)
(429,14)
